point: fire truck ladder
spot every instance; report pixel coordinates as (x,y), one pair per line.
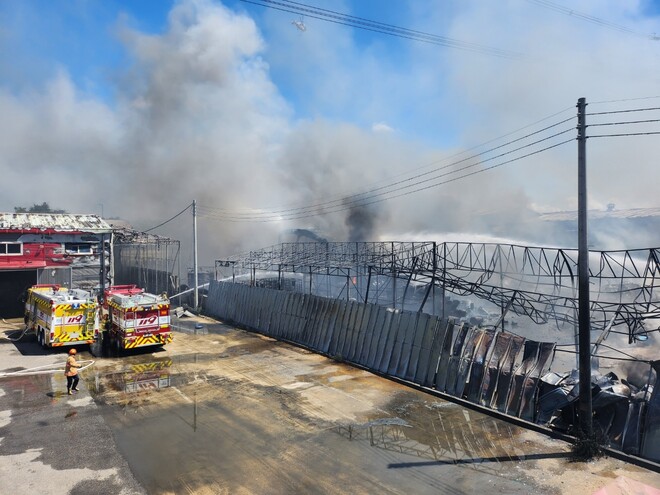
(90,316)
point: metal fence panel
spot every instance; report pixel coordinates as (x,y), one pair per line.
(396,342)
(445,355)
(310,320)
(349,329)
(400,322)
(492,368)
(476,373)
(321,324)
(429,355)
(530,355)
(385,345)
(358,332)
(408,338)
(505,376)
(329,325)
(378,327)
(361,351)
(467,358)
(418,353)
(462,335)
(335,327)
(531,379)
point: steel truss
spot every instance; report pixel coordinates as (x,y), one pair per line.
(148,260)
(537,282)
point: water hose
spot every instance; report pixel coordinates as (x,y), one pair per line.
(43,370)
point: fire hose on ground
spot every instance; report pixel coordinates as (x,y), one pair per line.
(44,370)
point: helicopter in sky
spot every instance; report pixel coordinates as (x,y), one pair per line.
(300,25)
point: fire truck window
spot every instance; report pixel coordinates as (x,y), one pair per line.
(130,316)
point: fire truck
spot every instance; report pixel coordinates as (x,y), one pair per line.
(61,317)
(134,318)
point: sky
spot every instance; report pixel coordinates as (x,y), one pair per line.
(135,109)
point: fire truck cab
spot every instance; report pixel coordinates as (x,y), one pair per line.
(134,318)
(61,317)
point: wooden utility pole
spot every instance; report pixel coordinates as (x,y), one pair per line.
(584,338)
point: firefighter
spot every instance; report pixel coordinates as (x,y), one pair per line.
(71,373)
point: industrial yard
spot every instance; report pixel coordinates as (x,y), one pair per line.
(222,410)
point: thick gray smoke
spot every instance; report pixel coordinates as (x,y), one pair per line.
(361,222)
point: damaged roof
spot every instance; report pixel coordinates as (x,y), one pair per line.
(53,222)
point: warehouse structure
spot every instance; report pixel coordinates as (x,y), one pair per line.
(65,249)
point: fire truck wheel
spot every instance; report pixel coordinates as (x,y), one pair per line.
(42,339)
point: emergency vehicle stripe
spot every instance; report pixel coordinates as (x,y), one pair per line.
(157,365)
(151,340)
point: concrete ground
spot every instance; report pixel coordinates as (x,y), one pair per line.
(221,411)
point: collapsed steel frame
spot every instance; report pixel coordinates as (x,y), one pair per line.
(536,282)
(148,260)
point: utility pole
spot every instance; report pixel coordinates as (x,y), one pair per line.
(195,267)
(584,337)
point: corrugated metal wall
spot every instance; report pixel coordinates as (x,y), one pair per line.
(496,370)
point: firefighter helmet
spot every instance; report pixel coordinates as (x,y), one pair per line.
(72,351)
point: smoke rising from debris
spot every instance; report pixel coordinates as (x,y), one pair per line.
(198,115)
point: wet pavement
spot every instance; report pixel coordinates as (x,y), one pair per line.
(221,410)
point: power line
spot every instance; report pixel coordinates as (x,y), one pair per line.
(374,201)
(625,135)
(355,194)
(370,193)
(379,27)
(647,109)
(625,122)
(167,221)
(624,99)
(590,18)
(360,198)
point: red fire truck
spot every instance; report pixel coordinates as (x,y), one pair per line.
(134,318)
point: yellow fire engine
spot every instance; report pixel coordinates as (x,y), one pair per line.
(61,317)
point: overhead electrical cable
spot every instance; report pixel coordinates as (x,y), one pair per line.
(342,201)
(424,186)
(592,19)
(403,174)
(625,122)
(358,198)
(625,99)
(626,134)
(379,27)
(167,221)
(629,110)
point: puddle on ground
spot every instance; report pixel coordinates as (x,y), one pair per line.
(159,408)
(437,433)
(197,327)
